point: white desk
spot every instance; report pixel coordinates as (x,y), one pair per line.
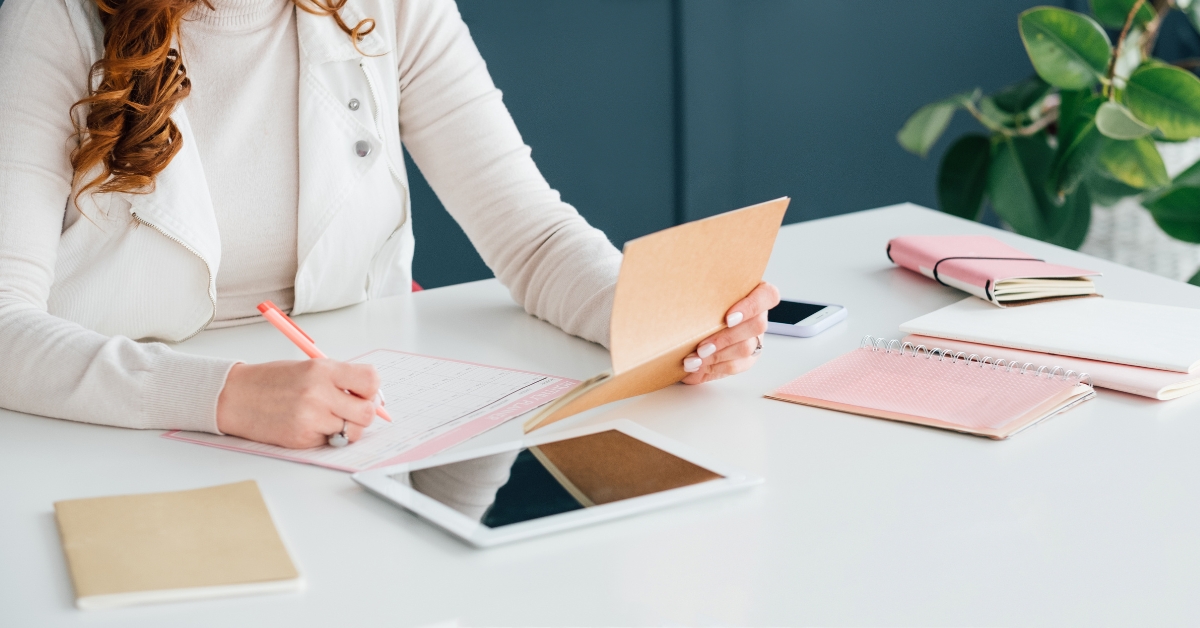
(1092,518)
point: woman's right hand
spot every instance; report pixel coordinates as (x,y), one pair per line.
(297,404)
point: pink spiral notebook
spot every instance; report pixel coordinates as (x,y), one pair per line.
(948,390)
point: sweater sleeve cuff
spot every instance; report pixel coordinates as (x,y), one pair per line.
(181,392)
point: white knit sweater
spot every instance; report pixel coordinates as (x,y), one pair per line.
(243,64)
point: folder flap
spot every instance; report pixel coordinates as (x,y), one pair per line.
(678,283)
(658,373)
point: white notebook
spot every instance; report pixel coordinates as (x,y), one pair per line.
(1124,332)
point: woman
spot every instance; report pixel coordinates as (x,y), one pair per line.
(165,165)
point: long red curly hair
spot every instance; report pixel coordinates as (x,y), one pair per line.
(128,130)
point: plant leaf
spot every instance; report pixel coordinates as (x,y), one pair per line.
(1135,163)
(1069,222)
(1112,13)
(1019,97)
(1117,122)
(1195,280)
(923,128)
(1166,97)
(962,177)
(1068,49)
(1079,143)
(1071,101)
(1189,177)
(1017,189)
(1178,213)
(995,115)
(1105,190)
(1016,182)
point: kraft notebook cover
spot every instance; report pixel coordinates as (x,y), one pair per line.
(1136,380)
(990,269)
(895,382)
(165,547)
(672,292)
(611,466)
(1108,330)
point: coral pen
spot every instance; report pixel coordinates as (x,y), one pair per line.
(289,328)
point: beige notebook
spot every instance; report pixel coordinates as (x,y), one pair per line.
(165,547)
(673,291)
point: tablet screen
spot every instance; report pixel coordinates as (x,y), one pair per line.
(554,478)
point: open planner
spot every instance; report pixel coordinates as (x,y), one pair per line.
(949,390)
(436,403)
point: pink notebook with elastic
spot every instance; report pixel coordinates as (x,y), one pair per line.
(895,381)
(990,269)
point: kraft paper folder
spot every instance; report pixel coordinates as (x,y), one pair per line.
(166,547)
(673,291)
(990,269)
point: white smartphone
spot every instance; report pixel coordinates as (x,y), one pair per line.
(803,318)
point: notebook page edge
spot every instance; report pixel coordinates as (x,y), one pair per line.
(960,321)
(163,596)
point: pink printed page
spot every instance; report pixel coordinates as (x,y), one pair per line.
(435,403)
(927,390)
(921,253)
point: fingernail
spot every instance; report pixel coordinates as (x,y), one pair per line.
(706,350)
(733,319)
(692,365)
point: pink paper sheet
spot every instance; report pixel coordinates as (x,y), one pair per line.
(928,391)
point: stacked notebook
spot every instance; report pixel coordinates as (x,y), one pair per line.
(990,269)
(1139,348)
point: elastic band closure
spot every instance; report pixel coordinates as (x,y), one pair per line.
(1012,259)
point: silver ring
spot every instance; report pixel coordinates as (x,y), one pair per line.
(758,349)
(340,439)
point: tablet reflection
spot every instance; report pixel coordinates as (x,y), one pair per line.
(555,477)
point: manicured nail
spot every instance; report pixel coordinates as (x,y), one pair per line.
(692,365)
(706,350)
(733,319)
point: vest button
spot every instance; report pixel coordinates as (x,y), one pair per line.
(353,104)
(362,148)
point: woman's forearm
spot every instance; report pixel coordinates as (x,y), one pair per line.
(55,368)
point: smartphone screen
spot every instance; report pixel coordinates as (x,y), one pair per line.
(792,312)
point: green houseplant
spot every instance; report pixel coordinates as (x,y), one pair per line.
(1083,128)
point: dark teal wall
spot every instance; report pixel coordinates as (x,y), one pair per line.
(590,85)
(803,99)
(645,112)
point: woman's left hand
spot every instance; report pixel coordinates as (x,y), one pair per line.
(735,348)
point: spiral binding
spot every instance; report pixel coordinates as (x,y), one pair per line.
(903,349)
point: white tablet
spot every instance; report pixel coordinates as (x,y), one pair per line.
(548,483)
